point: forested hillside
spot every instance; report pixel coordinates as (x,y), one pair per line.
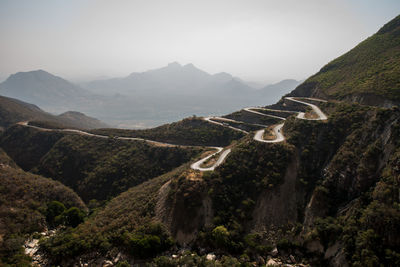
(368,74)
(96,168)
(321,197)
(24,201)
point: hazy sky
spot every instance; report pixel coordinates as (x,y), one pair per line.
(258,40)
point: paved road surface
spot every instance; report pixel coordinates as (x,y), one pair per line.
(301,115)
(197,165)
(211,120)
(258,136)
(263,114)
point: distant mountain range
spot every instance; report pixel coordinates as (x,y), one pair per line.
(172,79)
(143,99)
(185,80)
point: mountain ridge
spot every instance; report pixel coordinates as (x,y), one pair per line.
(173,78)
(13,111)
(142,99)
(37,85)
(367,74)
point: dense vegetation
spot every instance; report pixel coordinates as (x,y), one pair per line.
(95,168)
(360,191)
(340,163)
(126,223)
(26,146)
(356,209)
(349,166)
(369,73)
(23,203)
(233,189)
(251,168)
(190,131)
(102,168)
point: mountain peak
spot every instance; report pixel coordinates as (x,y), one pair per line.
(223,74)
(174,65)
(40,88)
(39,72)
(190,65)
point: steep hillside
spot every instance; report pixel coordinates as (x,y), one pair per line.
(367,74)
(328,195)
(96,168)
(127,223)
(13,111)
(23,201)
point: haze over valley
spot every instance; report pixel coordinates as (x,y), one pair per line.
(146,99)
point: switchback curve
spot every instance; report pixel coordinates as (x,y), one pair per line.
(258,136)
(279,137)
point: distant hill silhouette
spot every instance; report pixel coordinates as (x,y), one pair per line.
(172,79)
(143,99)
(279,89)
(13,111)
(42,88)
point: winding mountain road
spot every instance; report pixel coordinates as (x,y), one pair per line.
(195,166)
(263,114)
(317,110)
(277,130)
(26,123)
(212,120)
(259,135)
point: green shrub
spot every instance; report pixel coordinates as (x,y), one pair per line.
(54,209)
(148,241)
(73,216)
(122,264)
(221,236)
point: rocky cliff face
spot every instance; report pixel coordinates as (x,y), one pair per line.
(323,195)
(278,206)
(185,210)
